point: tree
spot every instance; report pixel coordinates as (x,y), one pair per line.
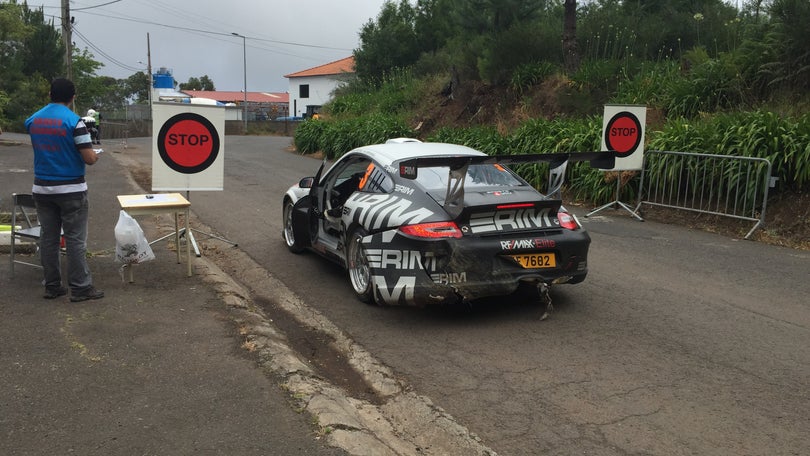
(571,57)
(493,16)
(136,87)
(432,24)
(788,41)
(43,46)
(30,56)
(192,84)
(206,83)
(389,42)
(201,83)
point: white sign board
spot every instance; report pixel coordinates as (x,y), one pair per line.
(623,131)
(187,147)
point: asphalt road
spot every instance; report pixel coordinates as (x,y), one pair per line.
(678,343)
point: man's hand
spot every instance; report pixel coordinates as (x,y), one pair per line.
(89,155)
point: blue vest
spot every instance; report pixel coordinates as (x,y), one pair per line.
(56,157)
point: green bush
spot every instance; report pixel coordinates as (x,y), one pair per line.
(528,75)
(335,138)
(308,134)
(785,142)
(485,139)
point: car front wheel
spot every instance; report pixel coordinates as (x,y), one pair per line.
(357,265)
(289,235)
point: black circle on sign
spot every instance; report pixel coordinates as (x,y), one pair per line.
(636,122)
(164,154)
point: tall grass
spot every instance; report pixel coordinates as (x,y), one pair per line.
(335,138)
(785,142)
(397,92)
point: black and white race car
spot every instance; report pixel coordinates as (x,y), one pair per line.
(420,223)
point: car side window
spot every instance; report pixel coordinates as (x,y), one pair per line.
(376,180)
(345,181)
(484,175)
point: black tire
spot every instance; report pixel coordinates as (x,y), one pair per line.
(287,232)
(357,267)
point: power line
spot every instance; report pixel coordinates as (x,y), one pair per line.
(96,6)
(104,54)
(209,32)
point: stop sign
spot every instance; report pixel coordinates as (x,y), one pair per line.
(623,133)
(188,143)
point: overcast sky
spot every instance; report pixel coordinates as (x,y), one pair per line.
(193,38)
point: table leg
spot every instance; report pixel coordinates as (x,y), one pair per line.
(177,236)
(188,244)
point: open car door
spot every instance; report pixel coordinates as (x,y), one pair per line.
(306,213)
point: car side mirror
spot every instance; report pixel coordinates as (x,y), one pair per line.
(306,182)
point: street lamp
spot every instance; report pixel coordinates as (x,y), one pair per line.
(244,71)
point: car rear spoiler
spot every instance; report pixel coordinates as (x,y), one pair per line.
(454,200)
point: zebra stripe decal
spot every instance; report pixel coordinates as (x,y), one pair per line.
(374,211)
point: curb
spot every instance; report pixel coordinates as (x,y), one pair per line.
(402,423)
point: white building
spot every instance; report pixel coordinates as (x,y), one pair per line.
(315,86)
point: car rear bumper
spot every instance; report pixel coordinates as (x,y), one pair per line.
(408,271)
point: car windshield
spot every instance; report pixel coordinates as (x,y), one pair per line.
(484,175)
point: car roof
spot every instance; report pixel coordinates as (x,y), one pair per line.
(392,151)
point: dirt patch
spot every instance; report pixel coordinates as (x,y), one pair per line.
(787,221)
(142,176)
(318,349)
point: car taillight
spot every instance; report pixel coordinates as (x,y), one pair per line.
(432,230)
(515,206)
(567,220)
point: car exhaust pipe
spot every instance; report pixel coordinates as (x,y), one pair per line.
(545,298)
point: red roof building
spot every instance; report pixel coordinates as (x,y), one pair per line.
(260,105)
(239,97)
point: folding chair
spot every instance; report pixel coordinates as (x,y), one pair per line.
(23,209)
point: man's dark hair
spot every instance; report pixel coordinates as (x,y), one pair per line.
(62,90)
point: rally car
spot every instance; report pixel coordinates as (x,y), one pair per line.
(418,223)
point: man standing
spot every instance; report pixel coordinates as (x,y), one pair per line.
(97,120)
(90,122)
(62,148)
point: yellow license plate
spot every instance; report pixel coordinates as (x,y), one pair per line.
(536,260)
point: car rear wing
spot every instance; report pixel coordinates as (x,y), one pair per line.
(454,200)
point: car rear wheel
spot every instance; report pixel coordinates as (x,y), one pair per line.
(289,235)
(357,265)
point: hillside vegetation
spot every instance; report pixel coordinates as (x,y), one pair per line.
(745,95)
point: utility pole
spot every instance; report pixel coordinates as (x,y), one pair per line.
(67,38)
(149,68)
(244,72)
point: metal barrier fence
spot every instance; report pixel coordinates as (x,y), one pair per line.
(723,185)
(112,131)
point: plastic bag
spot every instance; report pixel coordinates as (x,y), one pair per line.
(131,245)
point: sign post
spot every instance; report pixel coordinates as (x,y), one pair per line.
(623,132)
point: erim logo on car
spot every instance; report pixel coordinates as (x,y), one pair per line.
(516,219)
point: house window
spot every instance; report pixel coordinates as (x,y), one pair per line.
(303,91)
